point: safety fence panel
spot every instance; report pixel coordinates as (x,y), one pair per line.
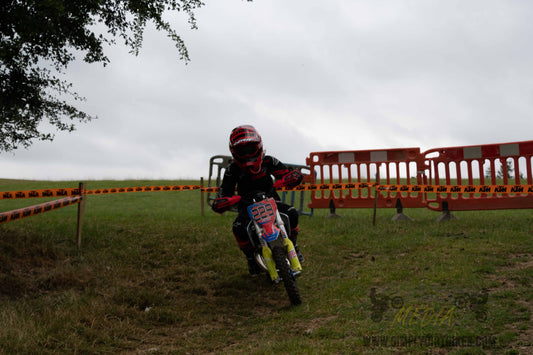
(490,164)
(220,164)
(387,166)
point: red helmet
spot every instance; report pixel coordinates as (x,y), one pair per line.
(246,148)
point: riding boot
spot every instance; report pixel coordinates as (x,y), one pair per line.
(293,235)
(253,268)
(298,253)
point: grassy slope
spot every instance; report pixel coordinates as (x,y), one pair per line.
(153,274)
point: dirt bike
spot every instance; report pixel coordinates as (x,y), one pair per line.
(273,250)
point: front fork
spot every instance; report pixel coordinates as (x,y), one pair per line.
(289,247)
(270,264)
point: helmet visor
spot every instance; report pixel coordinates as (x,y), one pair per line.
(248,152)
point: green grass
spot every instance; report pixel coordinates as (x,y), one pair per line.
(155,276)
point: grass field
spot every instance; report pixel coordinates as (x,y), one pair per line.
(155,276)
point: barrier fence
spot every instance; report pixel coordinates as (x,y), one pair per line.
(38,209)
(483,177)
(364,167)
(492,176)
(78,194)
(509,163)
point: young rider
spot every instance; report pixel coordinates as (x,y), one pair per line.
(252,171)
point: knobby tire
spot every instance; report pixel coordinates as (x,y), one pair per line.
(279,255)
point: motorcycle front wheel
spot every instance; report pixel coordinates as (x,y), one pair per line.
(279,255)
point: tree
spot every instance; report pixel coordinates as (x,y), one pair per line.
(510,169)
(500,173)
(39,38)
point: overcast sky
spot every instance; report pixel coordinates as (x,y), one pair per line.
(310,75)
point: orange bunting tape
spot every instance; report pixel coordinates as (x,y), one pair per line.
(338,186)
(39,193)
(37,209)
(143,189)
(501,189)
(487,189)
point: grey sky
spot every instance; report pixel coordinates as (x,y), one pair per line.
(310,75)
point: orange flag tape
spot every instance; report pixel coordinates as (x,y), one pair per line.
(502,189)
(37,209)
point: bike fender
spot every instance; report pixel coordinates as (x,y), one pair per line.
(270,234)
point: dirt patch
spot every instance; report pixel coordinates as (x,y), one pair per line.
(29,268)
(517,277)
(507,276)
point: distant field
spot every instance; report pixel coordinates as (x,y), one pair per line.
(155,276)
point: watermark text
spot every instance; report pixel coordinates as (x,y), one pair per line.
(430,341)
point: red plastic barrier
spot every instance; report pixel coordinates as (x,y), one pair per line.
(388,166)
(491,164)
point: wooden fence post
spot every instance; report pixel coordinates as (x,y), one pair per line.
(202,195)
(81,209)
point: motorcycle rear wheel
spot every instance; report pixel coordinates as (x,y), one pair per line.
(289,281)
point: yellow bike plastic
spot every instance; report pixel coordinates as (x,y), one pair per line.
(293,258)
(270,264)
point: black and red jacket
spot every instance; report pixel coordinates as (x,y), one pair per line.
(248,185)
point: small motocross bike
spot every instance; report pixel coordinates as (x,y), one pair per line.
(273,250)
